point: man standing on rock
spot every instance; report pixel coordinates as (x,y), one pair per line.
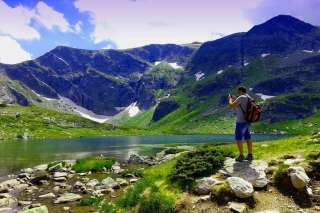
(242,126)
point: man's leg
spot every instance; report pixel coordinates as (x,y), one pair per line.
(240,147)
(249,145)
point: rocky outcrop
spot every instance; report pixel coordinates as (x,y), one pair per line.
(253,172)
(67,197)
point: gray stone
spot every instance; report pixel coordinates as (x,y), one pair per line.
(67,197)
(49,195)
(269,211)
(238,207)
(253,172)
(298,177)
(8,202)
(92,183)
(108,182)
(135,158)
(122,182)
(41,209)
(240,187)
(27,170)
(6,210)
(60,174)
(204,185)
(133,180)
(42,167)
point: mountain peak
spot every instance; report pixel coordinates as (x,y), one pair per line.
(283,23)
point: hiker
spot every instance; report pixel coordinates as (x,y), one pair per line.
(243,104)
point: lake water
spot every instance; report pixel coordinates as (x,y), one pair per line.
(15,155)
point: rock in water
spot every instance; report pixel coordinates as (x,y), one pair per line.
(41,209)
(135,158)
(67,197)
(238,207)
(253,172)
(240,187)
(298,177)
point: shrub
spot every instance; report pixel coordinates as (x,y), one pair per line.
(197,164)
(135,172)
(107,208)
(156,203)
(93,164)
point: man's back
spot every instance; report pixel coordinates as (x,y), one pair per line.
(242,102)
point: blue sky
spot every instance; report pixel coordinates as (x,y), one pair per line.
(30,28)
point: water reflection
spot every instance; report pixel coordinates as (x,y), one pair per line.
(15,155)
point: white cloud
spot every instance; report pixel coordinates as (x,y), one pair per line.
(172,21)
(50,18)
(16,22)
(11,52)
(77,27)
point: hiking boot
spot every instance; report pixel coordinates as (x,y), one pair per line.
(249,157)
(240,158)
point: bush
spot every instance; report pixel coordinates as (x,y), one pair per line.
(91,201)
(197,164)
(134,172)
(107,208)
(93,164)
(156,203)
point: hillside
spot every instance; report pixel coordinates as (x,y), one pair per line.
(181,89)
(286,80)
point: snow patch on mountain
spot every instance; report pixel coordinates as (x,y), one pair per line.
(61,59)
(263,55)
(220,72)
(307,51)
(264,97)
(174,65)
(43,97)
(199,76)
(132,109)
(83,112)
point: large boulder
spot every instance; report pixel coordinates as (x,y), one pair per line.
(298,177)
(251,171)
(240,187)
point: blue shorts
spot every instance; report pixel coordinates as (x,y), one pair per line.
(242,131)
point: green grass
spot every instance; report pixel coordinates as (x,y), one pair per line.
(38,122)
(304,126)
(93,164)
(91,201)
(153,190)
